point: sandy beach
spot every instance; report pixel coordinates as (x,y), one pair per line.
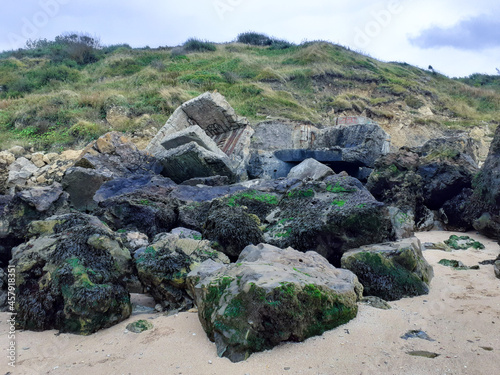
(461,313)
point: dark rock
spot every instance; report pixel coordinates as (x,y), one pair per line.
(390,270)
(232,227)
(82,184)
(140,183)
(208,181)
(72,276)
(270,296)
(485,202)
(329,217)
(163,267)
(140,211)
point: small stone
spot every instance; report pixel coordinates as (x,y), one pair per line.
(139,326)
(209,362)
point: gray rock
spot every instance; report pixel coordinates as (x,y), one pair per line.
(128,185)
(496,267)
(191,160)
(207,181)
(270,296)
(82,184)
(391,270)
(310,169)
(19,173)
(42,197)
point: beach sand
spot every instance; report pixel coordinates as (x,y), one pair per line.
(461,313)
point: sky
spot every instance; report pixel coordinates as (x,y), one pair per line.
(456,37)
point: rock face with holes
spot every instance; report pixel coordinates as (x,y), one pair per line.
(391,270)
(270,296)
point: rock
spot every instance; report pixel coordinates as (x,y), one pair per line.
(163,267)
(3,290)
(116,154)
(72,277)
(17,151)
(391,270)
(186,233)
(463,243)
(42,198)
(270,296)
(436,177)
(19,173)
(496,268)
(141,211)
(236,145)
(210,111)
(376,302)
(328,217)
(208,181)
(6,159)
(82,184)
(233,228)
(310,169)
(484,205)
(157,185)
(191,160)
(37,159)
(139,326)
(71,154)
(134,240)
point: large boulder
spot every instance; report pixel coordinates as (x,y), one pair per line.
(430,183)
(233,228)
(390,270)
(328,217)
(110,156)
(143,211)
(192,160)
(484,207)
(19,210)
(71,276)
(269,296)
(163,267)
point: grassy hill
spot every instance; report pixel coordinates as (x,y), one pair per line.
(63,93)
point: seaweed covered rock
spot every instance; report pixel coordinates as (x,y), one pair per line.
(391,270)
(496,267)
(329,217)
(163,267)
(270,296)
(484,205)
(143,211)
(16,212)
(232,227)
(71,276)
(428,183)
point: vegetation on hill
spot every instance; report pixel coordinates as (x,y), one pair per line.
(55,94)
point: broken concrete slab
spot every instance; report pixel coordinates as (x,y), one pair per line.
(191,160)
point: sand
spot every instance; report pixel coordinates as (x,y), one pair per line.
(461,313)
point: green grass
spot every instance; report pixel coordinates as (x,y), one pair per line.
(49,101)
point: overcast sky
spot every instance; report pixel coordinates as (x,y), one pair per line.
(456,37)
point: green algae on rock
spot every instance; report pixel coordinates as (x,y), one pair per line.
(463,243)
(390,270)
(71,278)
(271,295)
(139,326)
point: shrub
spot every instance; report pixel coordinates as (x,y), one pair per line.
(254,39)
(196,45)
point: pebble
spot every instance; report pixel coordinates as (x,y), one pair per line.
(209,362)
